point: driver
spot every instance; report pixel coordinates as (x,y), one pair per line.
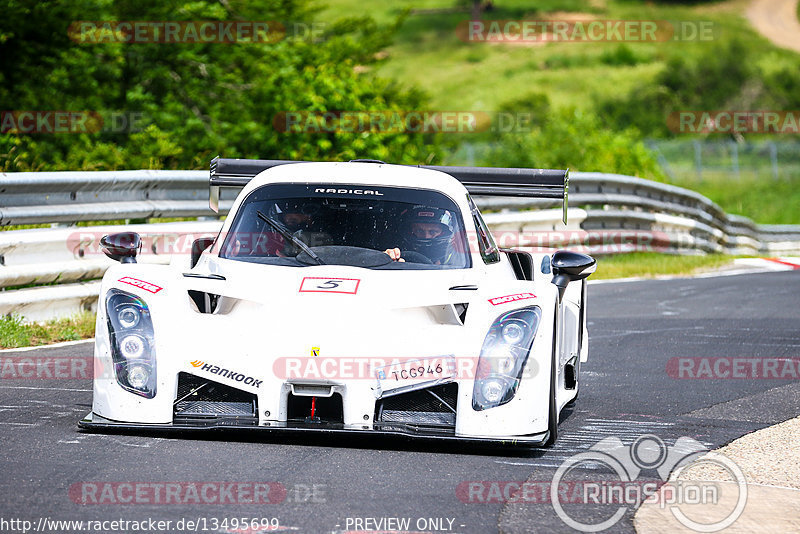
(426,231)
(299,217)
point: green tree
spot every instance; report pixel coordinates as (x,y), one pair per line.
(195,100)
(579,141)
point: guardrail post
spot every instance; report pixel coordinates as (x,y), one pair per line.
(698,159)
(735,158)
(773,159)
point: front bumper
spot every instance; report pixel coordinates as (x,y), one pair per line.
(96,423)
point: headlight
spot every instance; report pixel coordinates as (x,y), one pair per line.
(513,332)
(138,376)
(503,357)
(132,347)
(128,317)
(130,330)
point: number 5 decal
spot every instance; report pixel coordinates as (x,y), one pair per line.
(348,286)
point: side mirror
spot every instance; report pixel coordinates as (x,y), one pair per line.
(198,246)
(569,267)
(122,247)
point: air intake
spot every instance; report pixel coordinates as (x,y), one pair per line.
(199,398)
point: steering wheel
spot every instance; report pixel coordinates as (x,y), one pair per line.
(416,257)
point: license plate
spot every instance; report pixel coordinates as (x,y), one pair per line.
(414,374)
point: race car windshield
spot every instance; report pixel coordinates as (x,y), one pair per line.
(348,225)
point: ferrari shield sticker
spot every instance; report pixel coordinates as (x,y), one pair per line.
(511,298)
(347,286)
(314,352)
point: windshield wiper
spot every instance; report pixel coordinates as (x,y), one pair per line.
(288,235)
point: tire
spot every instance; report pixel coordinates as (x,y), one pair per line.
(552,412)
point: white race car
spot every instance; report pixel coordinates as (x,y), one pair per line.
(354,297)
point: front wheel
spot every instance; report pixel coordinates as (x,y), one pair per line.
(552,413)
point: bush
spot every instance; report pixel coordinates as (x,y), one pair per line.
(579,141)
(717,80)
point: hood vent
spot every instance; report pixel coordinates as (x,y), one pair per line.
(212,303)
(205,302)
(453,314)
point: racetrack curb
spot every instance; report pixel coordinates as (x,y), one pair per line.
(770,461)
(54,345)
(738,266)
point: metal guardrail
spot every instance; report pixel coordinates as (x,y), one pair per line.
(610,213)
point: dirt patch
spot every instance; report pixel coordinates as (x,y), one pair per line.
(777,21)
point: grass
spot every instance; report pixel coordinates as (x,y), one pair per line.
(14,332)
(765,200)
(651,264)
(461,75)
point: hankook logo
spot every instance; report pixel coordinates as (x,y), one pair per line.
(231,375)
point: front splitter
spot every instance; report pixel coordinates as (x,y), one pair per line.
(97,423)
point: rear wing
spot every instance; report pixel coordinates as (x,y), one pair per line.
(489,181)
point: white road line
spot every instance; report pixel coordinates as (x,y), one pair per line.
(44,389)
(537,464)
(62,344)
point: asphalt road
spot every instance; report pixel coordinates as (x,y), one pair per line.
(635,329)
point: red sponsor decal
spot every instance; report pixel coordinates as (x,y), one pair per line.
(141,284)
(312,284)
(511,298)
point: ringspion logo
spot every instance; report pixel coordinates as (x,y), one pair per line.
(629,462)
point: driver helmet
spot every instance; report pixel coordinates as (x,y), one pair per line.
(298,214)
(427,230)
